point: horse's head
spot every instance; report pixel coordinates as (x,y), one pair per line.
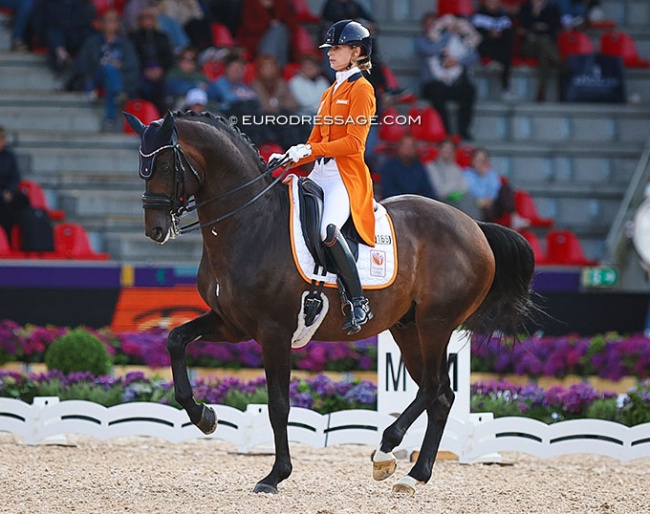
(170,178)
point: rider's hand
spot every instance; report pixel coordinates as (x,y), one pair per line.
(297,152)
(276,157)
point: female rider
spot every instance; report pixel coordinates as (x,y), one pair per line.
(337,143)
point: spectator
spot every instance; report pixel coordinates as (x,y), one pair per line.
(22,10)
(169,26)
(494,196)
(237,100)
(12,201)
(578,13)
(64,26)
(448,179)
(495,27)
(108,60)
(191,16)
(267,27)
(156,57)
(337,10)
(539,25)
(185,76)
(195,100)
(276,98)
(308,85)
(447,50)
(405,173)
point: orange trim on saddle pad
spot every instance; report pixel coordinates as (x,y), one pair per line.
(377,258)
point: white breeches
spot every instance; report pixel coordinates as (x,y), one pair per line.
(336,202)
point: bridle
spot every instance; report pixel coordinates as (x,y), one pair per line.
(179,205)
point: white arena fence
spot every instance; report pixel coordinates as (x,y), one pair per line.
(479,438)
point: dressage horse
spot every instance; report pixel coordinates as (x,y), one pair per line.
(452,271)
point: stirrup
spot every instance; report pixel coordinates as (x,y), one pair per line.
(359,314)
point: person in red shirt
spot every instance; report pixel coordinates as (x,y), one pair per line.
(337,143)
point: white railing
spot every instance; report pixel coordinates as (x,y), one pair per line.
(471,440)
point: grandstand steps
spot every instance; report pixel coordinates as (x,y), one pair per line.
(62,118)
(580,123)
(132,247)
(523,81)
(26,72)
(55,160)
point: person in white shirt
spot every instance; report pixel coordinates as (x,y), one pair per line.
(308,85)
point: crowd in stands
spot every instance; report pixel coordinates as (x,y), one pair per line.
(255,57)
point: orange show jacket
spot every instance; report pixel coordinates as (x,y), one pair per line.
(340,130)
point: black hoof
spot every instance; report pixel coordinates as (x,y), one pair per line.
(265,488)
(208,422)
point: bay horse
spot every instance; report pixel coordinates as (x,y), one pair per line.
(452,270)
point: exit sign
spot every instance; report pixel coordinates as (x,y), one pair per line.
(599,277)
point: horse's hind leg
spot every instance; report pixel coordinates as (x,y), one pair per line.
(384,462)
(437,414)
(206,325)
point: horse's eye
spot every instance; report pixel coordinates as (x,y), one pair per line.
(165,168)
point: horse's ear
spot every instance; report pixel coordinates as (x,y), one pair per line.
(167,128)
(134,122)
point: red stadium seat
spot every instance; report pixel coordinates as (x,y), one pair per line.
(526,208)
(430,129)
(266,149)
(428,153)
(143,109)
(37,200)
(6,251)
(101,6)
(574,42)
(464,156)
(212,69)
(303,42)
(390,131)
(620,44)
(457,7)
(563,247)
(536,245)
(290,69)
(221,36)
(250,73)
(304,14)
(71,242)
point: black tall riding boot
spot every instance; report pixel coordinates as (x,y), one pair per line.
(339,251)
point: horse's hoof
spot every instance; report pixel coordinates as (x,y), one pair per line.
(208,422)
(382,469)
(405,485)
(265,488)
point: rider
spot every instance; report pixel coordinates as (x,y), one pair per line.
(337,143)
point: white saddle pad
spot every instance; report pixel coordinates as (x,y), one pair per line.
(377,266)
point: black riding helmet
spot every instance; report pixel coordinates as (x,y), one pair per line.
(348,32)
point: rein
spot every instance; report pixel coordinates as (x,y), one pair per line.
(180,206)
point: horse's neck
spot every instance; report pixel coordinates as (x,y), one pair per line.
(251,230)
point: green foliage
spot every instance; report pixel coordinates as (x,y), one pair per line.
(240,399)
(606,409)
(78,351)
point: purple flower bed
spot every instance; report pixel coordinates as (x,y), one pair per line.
(320,393)
(323,395)
(609,356)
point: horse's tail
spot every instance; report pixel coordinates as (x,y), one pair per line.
(508,303)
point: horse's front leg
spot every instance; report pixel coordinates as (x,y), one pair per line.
(277,365)
(206,325)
